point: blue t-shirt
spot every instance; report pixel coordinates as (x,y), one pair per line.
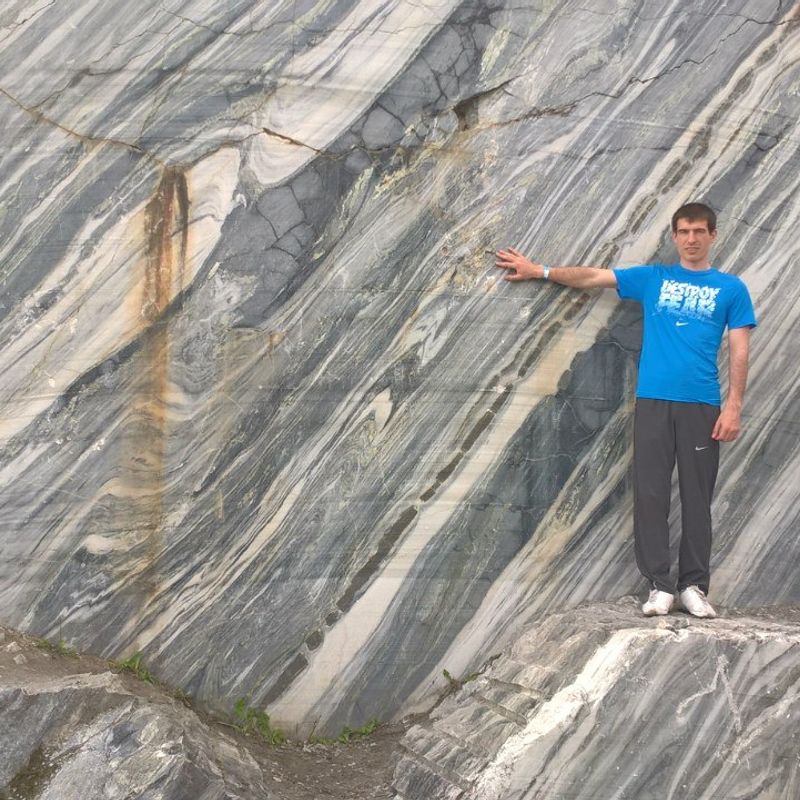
(685,314)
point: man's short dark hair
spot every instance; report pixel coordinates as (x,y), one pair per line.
(695,212)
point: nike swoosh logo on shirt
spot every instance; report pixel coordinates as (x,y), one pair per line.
(701,448)
(681,323)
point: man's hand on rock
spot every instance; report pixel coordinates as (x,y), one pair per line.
(519,268)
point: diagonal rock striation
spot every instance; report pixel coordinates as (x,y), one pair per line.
(268,413)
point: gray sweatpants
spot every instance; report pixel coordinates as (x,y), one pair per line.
(665,431)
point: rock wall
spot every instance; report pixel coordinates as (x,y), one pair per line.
(269,415)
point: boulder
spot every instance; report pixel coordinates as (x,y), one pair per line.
(73,729)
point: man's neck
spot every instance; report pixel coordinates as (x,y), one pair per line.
(696,266)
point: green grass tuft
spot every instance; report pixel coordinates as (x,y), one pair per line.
(254,721)
(347,734)
(61,647)
(135,665)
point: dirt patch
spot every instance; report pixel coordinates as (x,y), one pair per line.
(358,770)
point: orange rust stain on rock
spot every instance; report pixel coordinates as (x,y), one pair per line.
(166,220)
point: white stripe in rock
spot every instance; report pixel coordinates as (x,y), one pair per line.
(600,674)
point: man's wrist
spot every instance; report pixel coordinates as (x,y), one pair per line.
(545,272)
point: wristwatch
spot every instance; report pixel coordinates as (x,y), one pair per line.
(545,272)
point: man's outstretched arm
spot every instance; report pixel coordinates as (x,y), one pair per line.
(520,268)
(729,423)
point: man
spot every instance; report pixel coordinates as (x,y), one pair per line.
(686,307)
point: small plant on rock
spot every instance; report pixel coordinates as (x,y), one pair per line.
(255,721)
(135,665)
(62,648)
(349,733)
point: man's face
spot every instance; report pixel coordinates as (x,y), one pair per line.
(693,240)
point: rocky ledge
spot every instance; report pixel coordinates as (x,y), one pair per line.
(595,702)
(600,702)
(73,728)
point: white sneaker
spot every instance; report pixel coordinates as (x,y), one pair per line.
(658,603)
(693,599)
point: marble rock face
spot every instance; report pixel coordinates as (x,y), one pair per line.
(602,702)
(72,733)
(268,414)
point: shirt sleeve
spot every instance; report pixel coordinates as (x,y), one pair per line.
(740,311)
(632,282)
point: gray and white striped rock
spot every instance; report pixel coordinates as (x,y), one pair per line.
(267,413)
(602,702)
(76,733)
